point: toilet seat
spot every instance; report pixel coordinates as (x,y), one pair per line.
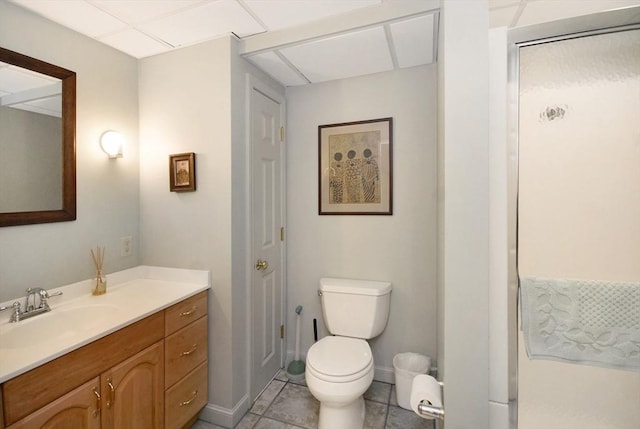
(340,359)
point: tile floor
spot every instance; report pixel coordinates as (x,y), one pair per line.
(288,404)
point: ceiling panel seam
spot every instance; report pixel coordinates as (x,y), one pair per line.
(291,66)
(391,46)
(135,23)
(304,41)
(254,16)
(387,13)
(436,29)
(518,14)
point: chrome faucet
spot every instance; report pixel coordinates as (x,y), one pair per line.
(30,308)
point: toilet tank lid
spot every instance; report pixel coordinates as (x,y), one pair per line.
(356,287)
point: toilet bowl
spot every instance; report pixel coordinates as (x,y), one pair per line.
(338,372)
(339,367)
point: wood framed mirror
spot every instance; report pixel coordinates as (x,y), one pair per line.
(37,141)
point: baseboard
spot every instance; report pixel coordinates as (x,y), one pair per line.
(387,375)
(384,374)
(498,415)
(225,417)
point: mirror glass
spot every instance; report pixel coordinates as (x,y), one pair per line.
(37,141)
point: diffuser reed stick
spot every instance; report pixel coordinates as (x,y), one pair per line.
(101,281)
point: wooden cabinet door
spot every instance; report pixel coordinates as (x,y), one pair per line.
(78,409)
(133,391)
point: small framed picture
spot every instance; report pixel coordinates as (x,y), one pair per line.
(182,172)
(355,169)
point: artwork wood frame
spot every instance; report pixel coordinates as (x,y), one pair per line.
(182,172)
(355,168)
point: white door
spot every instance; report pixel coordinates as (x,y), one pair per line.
(267,245)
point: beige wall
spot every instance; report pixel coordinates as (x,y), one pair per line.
(185,106)
(399,248)
(579,208)
(50,255)
(193,100)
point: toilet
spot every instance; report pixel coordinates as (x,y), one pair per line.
(339,367)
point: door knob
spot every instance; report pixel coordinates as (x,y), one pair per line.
(261,265)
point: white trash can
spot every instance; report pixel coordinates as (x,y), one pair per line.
(406,366)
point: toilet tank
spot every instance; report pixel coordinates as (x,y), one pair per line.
(355,308)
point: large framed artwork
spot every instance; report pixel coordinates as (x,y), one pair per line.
(355,168)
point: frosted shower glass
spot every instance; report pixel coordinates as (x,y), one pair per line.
(579,208)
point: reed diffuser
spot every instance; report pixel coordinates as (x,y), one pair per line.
(100,281)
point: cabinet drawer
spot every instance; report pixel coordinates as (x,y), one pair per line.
(184,350)
(185,312)
(184,400)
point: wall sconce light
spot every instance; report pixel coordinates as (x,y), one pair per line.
(111,143)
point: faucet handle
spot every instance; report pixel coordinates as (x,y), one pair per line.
(16,311)
(10,307)
(44,297)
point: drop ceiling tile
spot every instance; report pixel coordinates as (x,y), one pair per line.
(204,22)
(497,4)
(14,79)
(502,17)
(139,11)
(75,14)
(278,14)
(550,10)
(413,41)
(352,54)
(51,106)
(272,64)
(134,43)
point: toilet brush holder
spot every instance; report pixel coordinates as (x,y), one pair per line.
(295,370)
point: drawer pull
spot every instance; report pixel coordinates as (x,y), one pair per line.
(96,412)
(191,351)
(189,401)
(112,393)
(189,312)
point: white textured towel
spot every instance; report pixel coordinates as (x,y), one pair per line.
(582,321)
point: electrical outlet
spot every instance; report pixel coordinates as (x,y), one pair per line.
(126,246)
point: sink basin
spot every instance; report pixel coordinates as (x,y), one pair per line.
(59,325)
(88,315)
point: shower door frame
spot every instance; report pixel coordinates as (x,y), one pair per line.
(599,23)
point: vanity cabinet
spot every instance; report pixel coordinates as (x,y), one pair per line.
(131,394)
(151,374)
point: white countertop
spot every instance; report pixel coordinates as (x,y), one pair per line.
(78,318)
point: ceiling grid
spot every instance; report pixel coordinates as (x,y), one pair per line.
(295,41)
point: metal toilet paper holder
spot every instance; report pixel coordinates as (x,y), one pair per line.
(427,410)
